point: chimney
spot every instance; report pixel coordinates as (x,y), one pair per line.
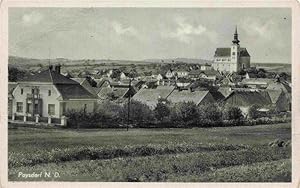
(57,69)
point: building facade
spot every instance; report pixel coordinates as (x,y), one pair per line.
(231,59)
(50,94)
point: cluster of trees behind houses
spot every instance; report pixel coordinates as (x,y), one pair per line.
(166,114)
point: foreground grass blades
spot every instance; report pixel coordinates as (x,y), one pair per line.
(240,154)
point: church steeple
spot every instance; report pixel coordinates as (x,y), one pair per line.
(236,37)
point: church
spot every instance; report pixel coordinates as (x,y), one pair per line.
(231,59)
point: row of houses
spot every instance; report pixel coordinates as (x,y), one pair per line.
(240,97)
(50,94)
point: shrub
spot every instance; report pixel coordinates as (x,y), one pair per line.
(253,112)
(162,110)
(211,112)
(139,113)
(184,113)
(233,113)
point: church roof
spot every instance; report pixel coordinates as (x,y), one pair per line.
(244,52)
(226,52)
(222,52)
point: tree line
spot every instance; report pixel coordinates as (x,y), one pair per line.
(167,114)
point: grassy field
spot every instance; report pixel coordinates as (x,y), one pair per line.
(197,155)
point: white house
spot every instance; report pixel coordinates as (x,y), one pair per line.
(50,94)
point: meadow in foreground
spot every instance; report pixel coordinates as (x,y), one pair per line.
(198,154)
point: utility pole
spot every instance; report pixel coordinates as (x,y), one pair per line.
(128,110)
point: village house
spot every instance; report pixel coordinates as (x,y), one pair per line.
(195,74)
(231,59)
(11,87)
(123,76)
(170,74)
(259,83)
(280,100)
(199,97)
(183,82)
(159,77)
(205,67)
(115,93)
(150,97)
(182,73)
(244,99)
(225,91)
(85,83)
(50,94)
(209,74)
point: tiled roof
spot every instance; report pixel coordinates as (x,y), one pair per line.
(274,95)
(49,76)
(223,52)
(249,98)
(280,86)
(244,52)
(258,81)
(210,72)
(187,96)
(226,91)
(79,80)
(11,86)
(74,91)
(103,94)
(195,72)
(150,96)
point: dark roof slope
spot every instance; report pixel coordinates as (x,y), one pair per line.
(222,52)
(49,76)
(226,52)
(244,52)
(249,98)
(74,91)
(187,96)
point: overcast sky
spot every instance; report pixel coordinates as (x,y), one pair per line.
(143,33)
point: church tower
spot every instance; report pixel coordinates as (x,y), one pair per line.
(233,58)
(235,50)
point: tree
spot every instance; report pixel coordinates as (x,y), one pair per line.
(162,110)
(139,112)
(253,112)
(184,112)
(211,112)
(233,113)
(116,74)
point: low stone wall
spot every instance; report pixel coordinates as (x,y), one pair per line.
(38,120)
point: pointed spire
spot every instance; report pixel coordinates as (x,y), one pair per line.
(235,30)
(236,37)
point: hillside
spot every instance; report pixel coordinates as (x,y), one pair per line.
(30,62)
(14,60)
(178,60)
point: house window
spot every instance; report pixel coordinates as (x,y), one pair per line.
(22,91)
(19,107)
(233,53)
(49,92)
(84,108)
(29,108)
(51,109)
(32,91)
